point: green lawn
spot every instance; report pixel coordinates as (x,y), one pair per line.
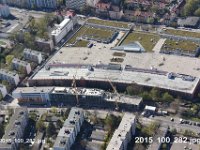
(18,51)
(81,43)
(79,33)
(147,40)
(96,33)
(184,45)
(2,43)
(182,33)
(108,23)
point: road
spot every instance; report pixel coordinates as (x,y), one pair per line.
(166,121)
(25,13)
(159,45)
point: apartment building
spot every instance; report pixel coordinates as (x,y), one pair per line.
(17,3)
(4,11)
(3,90)
(11,77)
(70,129)
(33,55)
(62,30)
(34,4)
(47,4)
(123,134)
(75,4)
(22,66)
(15,129)
(36,96)
(92,3)
(46,45)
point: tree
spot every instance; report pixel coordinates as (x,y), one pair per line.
(166,97)
(1,96)
(32,25)
(54,110)
(190,7)
(134,89)
(29,40)
(51,129)
(155,94)
(112,122)
(13,36)
(33,116)
(9,59)
(146,96)
(197,12)
(66,114)
(7,84)
(1,130)
(150,20)
(42,27)
(59,123)
(40,126)
(22,70)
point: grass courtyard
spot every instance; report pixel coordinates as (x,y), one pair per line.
(90,32)
(183,45)
(182,33)
(147,40)
(109,23)
(81,43)
(2,43)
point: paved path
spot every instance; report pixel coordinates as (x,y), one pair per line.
(159,45)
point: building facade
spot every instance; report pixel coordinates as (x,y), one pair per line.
(17,3)
(46,45)
(35,4)
(3,90)
(15,129)
(4,11)
(62,30)
(47,4)
(123,134)
(65,96)
(67,134)
(22,66)
(35,96)
(75,4)
(33,55)
(11,77)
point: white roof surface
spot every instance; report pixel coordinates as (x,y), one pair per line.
(97,55)
(150,108)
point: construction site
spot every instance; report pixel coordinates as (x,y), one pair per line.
(73,96)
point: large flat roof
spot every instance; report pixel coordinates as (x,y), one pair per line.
(98,55)
(146,79)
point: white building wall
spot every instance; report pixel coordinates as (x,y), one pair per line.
(4,11)
(3,90)
(75,4)
(16,79)
(39,58)
(59,33)
(28,68)
(92,3)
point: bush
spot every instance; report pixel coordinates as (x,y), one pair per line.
(146,96)
(166,97)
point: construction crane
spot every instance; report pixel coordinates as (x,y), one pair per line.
(75,88)
(118,95)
